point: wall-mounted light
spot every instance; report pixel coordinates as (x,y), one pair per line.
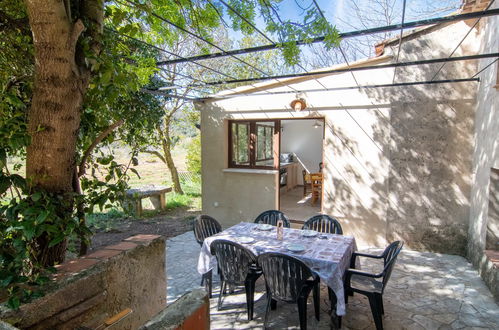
(298,103)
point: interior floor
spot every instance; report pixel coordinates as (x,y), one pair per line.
(297,207)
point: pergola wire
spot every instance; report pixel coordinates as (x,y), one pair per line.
(485,68)
(202,83)
(198,37)
(273,45)
(387,28)
(169,53)
(246,21)
(401,84)
(339,47)
(362,68)
(255,28)
(462,40)
(400,40)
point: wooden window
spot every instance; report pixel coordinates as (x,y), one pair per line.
(252,143)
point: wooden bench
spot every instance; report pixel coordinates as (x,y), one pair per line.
(156,193)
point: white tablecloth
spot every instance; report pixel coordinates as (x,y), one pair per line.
(328,256)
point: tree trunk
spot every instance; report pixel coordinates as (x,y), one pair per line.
(54,116)
(166,143)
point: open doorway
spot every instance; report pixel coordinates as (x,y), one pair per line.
(300,179)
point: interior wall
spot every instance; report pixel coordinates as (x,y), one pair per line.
(305,141)
(486,140)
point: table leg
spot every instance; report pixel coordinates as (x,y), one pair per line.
(162,201)
(138,207)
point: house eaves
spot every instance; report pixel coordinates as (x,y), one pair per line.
(274,83)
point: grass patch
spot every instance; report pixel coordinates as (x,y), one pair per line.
(105,221)
(176,200)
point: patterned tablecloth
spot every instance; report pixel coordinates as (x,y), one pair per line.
(328,255)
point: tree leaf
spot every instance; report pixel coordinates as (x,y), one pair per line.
(58,239)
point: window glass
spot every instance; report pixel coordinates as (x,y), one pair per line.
(251,143)
(240,143)
(264,143)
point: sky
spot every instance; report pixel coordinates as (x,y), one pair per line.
(350,15)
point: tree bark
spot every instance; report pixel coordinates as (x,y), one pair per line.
(166,143)
(54,117)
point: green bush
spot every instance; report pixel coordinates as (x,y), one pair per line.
(194,155)
(178,200)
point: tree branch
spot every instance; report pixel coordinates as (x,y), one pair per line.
(155,153)
(100,137)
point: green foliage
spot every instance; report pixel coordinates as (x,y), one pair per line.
(30,217)
(106,220)
(178,200)
(25,222)
(193,158)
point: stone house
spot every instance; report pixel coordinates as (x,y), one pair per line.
(406,161)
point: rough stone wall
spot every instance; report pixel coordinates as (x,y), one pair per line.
(486,150)
(485,159)
(189,312)
(430,175)
(431,141)
(492,239)
(89,290)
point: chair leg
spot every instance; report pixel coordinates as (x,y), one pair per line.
(332,299)
(317,301)
(302,312)
(209,283)
(250,297)
(222,289)
(376,311)
(273,304)
(380,298)
(267,311)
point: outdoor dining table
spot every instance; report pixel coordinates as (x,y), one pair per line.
(328,255)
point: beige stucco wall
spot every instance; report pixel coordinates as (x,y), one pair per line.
(229,197)
(397,160)
(486,140)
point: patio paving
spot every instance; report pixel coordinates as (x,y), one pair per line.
(426,291)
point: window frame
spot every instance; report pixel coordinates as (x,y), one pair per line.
(253,133)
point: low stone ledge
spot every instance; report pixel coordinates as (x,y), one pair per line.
(493,256)
(90,289)
(191,311)
(490,271)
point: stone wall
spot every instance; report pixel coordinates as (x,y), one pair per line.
(485,159)
(189,312)
(492,239)
(89,290)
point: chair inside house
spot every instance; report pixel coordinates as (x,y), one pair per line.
(271,217)
(307,185)
(316,186)
(206,226)
(289,280)
(324,224)
(237,266)
(373,285)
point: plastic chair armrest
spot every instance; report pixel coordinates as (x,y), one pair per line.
(360,254)
(350,272)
